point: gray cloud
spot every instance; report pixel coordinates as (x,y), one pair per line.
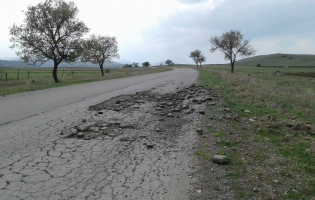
(272,26)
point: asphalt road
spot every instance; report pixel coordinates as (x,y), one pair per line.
(21,106)
(36,163)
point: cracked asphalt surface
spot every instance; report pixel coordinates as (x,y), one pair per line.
(37,162)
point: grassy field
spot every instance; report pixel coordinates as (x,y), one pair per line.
(23,80)
(273,124)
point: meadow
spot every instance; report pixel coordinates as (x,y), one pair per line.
(23,80)
(274,118)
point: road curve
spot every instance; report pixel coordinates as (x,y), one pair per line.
(20,106)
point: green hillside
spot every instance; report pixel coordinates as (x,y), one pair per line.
(278,60)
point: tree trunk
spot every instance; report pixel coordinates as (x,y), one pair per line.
(102,70)
(55,71)
(232,67)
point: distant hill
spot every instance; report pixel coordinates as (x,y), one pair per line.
(20,64)
(278,60)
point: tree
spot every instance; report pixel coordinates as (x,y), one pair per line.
(51,31)
(135,64)
(127,66)
(195,55)
(231,44)
(169,62)
(98,49)
(202,59)
(146,64)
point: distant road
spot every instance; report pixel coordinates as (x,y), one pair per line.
(20,106)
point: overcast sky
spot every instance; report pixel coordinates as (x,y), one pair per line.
(156,30)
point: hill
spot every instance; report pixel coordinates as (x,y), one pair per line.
(20,64)
(278,60)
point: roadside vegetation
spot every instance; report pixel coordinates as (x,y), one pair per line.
(41,78)
(265,124)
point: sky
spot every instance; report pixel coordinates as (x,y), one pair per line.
(157,30)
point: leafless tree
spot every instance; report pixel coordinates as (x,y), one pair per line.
(51,31)
(169,62)
(195,55)
(98,49)
(201,60)
(231,44)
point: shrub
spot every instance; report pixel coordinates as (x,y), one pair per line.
(258,65)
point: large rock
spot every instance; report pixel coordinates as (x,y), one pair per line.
(220,159)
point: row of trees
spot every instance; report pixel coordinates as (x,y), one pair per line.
(52,31)
(135,64)
(231,44)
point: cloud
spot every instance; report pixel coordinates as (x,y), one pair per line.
(272,26)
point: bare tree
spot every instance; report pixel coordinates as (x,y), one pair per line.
(195,55)
(169,62)
(146,64)
(98,49)
(231,44)
(51,31)
(201,60)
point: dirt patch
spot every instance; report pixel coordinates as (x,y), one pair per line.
(160,127)
(303,74)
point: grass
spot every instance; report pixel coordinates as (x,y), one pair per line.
(42,78)
(280,142)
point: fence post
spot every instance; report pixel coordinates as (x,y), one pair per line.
(28,75)
(18,77)
(6,76)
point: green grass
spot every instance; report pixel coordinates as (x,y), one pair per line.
(42,78)
(203,155)
(275,102)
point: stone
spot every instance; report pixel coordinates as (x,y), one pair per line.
(207,99)
(220,159)
(83,128)
(177,110)
(252,120)
(158,108)
(139,101)
(158,130)
(169,103)
(117,102)
(80,134)
(100,112)
(161,119)
(276,181)
(185,106)
(170,115)
(94,129)
(255,190)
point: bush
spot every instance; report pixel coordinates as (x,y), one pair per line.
(258,65)
(107,71)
